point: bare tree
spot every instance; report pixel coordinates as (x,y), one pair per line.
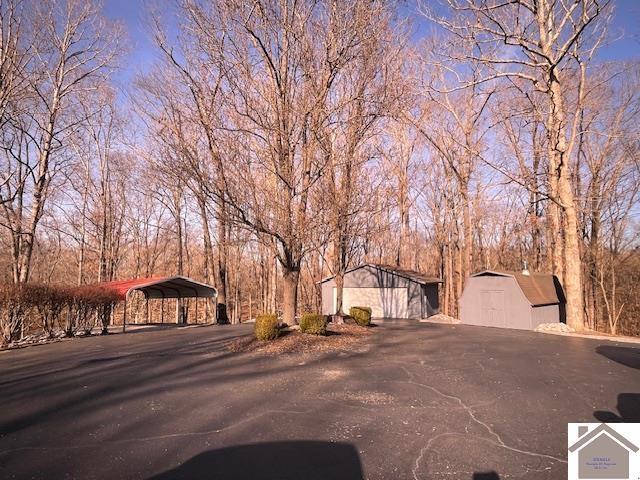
(366,92)
(274,65)
(279,141)
(542,39)
(75,47)
(15,57)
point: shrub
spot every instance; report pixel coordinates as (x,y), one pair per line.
(89,305)
(313,323)
(361,315)
(49,301)
(15,305)
(266,327)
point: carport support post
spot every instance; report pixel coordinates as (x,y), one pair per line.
(124,314)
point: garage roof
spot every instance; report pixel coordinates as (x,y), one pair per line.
(160,287)
(410,274)
(539,288)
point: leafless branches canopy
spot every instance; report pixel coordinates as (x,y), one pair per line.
(274,142)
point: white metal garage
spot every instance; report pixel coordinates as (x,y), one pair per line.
(391,292)
(384,302)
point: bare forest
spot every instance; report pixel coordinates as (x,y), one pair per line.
(272,143)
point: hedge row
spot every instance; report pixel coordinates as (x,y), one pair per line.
(26,307)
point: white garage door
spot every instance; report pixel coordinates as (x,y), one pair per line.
(384,302)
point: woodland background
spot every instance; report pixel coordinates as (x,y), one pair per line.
(275,142)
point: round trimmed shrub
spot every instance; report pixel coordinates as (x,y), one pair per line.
(266,327)
(313,323)
(361,315)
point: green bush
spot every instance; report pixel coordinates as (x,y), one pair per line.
(266,327)
(361,315)
(313,323)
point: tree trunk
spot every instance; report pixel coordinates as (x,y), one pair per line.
(209,262)
(40,189)
(221,267)
(273,290)
(554,240)
(339,278)
(289,294)
(573,270)
(179,245)
(535,233)
(403,240)
(467,254)
(571,252)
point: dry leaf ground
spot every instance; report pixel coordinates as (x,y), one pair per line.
(339,337)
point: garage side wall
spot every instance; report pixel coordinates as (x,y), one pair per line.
(327,297)
(432,303)
(494,301)
(414,297)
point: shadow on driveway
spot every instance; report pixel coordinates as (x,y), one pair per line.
(486,476)
(293,460)
(624,355)
(628,408)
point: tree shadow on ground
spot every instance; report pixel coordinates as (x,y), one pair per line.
(628,408)
(293,460)
(90,383)
(627,356)
(155,327)
(486,476)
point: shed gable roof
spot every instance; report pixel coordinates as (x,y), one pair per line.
(539,288)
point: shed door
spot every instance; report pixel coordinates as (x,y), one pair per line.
(492,308)
(384,302)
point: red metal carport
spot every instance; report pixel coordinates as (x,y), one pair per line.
(177,288)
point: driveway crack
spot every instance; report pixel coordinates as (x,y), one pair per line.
(495,437)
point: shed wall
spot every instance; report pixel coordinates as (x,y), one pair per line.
(473,303)
(545,314)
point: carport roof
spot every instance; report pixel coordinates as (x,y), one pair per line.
(539,288)
(160,287)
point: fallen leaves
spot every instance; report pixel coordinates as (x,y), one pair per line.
(338,338)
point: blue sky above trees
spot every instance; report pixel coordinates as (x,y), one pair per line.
(624,32)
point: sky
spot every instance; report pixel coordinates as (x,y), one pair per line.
(625,29)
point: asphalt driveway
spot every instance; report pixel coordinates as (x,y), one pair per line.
(414,401)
